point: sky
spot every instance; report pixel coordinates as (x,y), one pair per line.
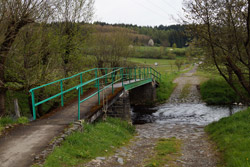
(140,12)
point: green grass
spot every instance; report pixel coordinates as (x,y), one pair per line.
(218,92)
(232,136)
(4,121)
(164,150)
(166,87)
(159,52)
(164,65)
(99,139)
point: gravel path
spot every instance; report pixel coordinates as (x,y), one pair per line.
(196,150)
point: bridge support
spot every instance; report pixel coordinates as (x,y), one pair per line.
(144,95)
(121,108)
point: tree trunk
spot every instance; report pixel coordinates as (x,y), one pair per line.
(2,88)
(2,101)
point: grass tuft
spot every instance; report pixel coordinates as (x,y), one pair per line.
(164,151)
(232,136)
(99,139)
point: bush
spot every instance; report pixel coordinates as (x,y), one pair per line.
(218,92)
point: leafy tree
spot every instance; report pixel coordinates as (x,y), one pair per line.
(179,63)
(14,15)
(223,31)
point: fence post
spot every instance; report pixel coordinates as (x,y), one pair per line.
(33,105)
(79,102)
(81,83)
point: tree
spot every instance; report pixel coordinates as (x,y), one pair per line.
(223,31)
(68,15)
(179,63)
(14,15)
(110,49)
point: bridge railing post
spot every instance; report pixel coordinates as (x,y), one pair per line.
(61,85)
(106,79)
(98,89)
(33,105)
(81,83)
(79,101)
(96,75)
(139,73)
(144,73)
(121,72)
(112,76)
(129,74)
(135,73)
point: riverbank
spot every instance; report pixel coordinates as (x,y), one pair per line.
(232,137)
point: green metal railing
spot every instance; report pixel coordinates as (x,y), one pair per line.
(100,78)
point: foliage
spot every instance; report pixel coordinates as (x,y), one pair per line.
(159,52)
(218,92)
(165,88)
(100,139)
(179,63)
(164,150)
(10,121)
(110,50)
(22,120)
(222,29)
(232,137)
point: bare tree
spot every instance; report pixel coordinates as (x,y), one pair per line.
(14,15)
(223,30)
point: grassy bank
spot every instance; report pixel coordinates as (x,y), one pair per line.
(165,151)
(166,87)
(5,121)
(218,92)
(98,139)
(232,136)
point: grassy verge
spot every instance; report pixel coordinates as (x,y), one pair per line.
(4,121)
(166,87)
(165,151)
(218,92)
(99,139)
(232,135)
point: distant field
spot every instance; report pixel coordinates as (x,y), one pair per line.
(159,52)
(164,65)
(158,48)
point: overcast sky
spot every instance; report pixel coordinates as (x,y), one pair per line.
(140,12)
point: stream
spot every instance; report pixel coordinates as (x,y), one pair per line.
(197,114)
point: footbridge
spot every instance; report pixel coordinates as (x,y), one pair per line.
(98,87)
(95,92)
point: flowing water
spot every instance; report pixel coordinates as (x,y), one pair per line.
(198,114)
